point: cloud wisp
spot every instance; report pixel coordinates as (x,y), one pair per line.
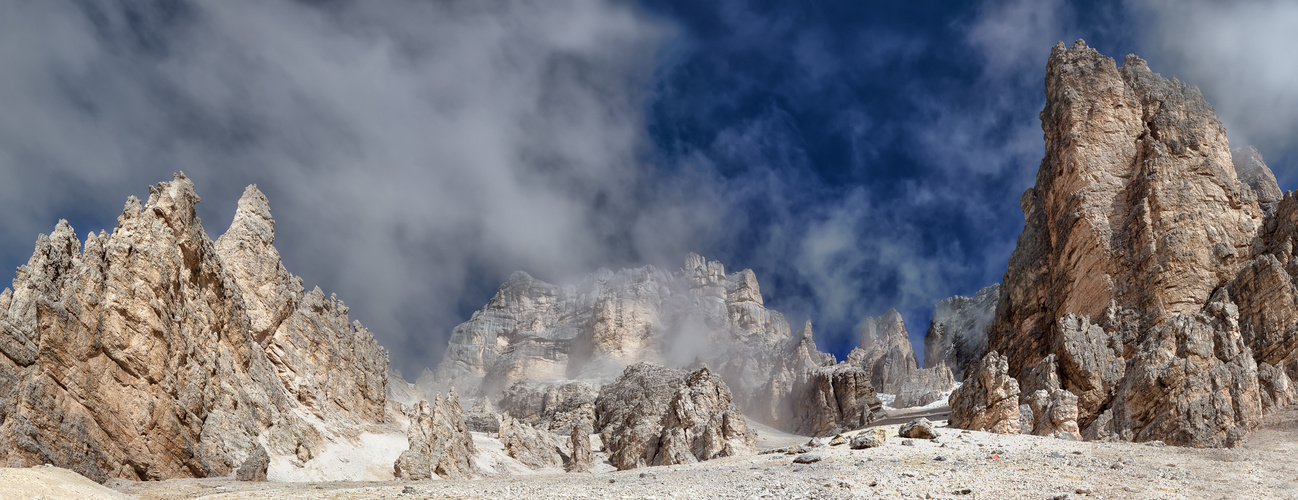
(1240,54)
(415,153)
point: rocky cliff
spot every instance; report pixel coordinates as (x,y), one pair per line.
(529,344)
(957,332)
(154,353)
(885,352)
(1149,266)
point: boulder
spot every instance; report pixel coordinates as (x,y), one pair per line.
(579,444)
(869,438)
(920,428)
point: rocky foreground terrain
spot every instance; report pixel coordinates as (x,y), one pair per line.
(957,464)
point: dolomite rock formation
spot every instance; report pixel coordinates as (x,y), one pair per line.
(1154,265)
(254,467)
(579,445)
(885,352)
(653,415)
(924,386)
(538,331)
(1045,409)
(554,406)
(957,333)
(989,398)
(153,353)
(534,448)
(440,443)
(542,351)
(834,399)
(482,416)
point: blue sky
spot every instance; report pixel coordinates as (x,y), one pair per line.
(857,155)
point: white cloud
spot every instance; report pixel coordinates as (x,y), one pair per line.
(409,149)
(1241,55)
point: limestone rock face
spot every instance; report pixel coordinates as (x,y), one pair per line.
(145,353)
(834,399)
(885,352)
(924,386)
(1191,382)
(989,398)
(1046,409)
(537,331)
(482,416)
(653,415)
(554,406)
(534,448)
(254,467)
(579,445)
(534,340)
(1154,264)
(957,333)
(440,443)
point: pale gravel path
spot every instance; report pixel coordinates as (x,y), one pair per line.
(987,465)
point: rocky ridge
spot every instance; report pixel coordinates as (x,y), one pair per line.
(1152,279)
(154,353)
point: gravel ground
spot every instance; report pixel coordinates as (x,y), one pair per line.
(959,464)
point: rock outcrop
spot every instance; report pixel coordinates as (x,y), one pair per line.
(542,351)
(989,398)
(482,416)
(924,386)
(440,443)
(833,399)
(554,406)
(1154,268)
(957,332)
(531,330)
(254,467)
(653,415)
(579,447)
(885,352)
(534,448)
(153,353)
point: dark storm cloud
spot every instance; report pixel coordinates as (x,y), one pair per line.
(415,153)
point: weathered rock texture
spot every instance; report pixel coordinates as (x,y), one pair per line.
(254,467)
(534,448)
(482,416)
(555,406)
(989,398)
(579,447)
(885,352)
(440,443)
(833,399)
(1150,266)
(924,386)
(653,415)
(957,333)
(538,331)
(153,353)
(543,350)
